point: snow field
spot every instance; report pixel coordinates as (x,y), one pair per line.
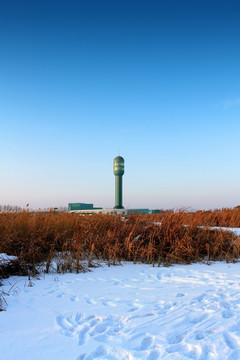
(125,312)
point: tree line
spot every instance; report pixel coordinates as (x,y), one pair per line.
(19,208)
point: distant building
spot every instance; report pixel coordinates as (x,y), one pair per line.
(78,208)
(81,206)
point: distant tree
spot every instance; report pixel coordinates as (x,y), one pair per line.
(62,208)
(10,207)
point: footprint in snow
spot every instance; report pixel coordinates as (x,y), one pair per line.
(59,296)
(100,352)
(227,314)
(136,342)
(180,295)
(90,301)
(51,292)
(154,355)
(200,335)
(117,282)
(82,335)
(231,341)
(108,303)
(65,325)
(98,329)
(200,297)
(134,306)
(225,305)
(196,318)
(174,338)
(146,343)
(208,352)
(159,276)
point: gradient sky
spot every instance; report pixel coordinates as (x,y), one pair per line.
(157,82)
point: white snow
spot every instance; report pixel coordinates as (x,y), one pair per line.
(124,312)
(236,231)
(5,259)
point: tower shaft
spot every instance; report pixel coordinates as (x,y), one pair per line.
(118,192)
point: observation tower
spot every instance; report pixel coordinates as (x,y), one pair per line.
(118,171)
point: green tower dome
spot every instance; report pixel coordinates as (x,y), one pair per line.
(118,165)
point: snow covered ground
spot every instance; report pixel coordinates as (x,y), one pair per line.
(124,312)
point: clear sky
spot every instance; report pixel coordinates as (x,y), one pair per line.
(157,82)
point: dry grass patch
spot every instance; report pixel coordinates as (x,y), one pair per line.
(69,242)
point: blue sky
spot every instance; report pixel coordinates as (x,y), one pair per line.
(156,82)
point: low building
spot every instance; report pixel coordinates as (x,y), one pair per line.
(81,206)
(90,211)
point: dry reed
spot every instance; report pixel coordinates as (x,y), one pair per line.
(69,242)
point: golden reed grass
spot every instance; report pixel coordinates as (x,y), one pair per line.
(64,240)
(219,217)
